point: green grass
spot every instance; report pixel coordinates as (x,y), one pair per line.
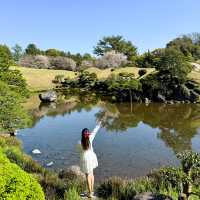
(41,79)
(194,75)
(101,74)
(53,186)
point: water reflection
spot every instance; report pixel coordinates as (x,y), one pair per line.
(147,133)
(177,123)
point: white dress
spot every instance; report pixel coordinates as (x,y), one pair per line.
(88,158)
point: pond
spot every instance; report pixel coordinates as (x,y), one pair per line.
(135,139)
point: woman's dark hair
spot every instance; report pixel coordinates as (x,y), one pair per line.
(85,140)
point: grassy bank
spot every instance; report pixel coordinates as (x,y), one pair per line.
(68,186)
(54,187)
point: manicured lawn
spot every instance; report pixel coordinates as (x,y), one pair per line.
(106,72)
(41,79)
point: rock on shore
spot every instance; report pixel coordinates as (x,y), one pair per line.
(49,96)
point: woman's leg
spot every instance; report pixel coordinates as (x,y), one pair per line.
(88,178)
(92,181)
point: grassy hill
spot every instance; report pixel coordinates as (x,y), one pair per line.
(41,79)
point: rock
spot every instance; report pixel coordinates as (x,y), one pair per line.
(161,98)
(114,98)
(50,164)
(150,196)
(147,101)
(197,90)
(49,96)
(191,84)
(171,102)
(184,93)
(196,66)
(177,102)
(72,172)
(193,96)
(36,151)
(14,133)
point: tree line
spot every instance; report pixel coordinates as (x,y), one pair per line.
(110,51)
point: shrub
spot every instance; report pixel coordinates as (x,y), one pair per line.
(181,179)
(12,115)
(9,141)
(86,79)
(15,155)
(15,81)
(35,61)
(120,189)
(5,57)
(123,81)
(52,185)
(111,59)
(59,78)
(62,63)
(17,184)
(72,194)
(142,72)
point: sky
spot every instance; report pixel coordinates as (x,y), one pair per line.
(77,25)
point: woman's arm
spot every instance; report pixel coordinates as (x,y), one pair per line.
(95,130)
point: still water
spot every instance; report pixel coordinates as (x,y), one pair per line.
(136,138)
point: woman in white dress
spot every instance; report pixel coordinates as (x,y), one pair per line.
(88,158)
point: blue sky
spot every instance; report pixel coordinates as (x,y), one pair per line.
(77,25)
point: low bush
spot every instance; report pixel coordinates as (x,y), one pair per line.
(117,188)
(9,141)
(142,72)
(53,187)
(72,194)
(59,78)
(17,184)
(15,155)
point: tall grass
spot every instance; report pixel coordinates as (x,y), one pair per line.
(72,194)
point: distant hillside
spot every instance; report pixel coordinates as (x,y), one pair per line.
(41,79)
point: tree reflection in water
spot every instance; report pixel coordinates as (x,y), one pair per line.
(177,124)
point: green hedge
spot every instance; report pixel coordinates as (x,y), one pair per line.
(16,184)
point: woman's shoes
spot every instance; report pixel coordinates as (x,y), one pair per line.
(91,195)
